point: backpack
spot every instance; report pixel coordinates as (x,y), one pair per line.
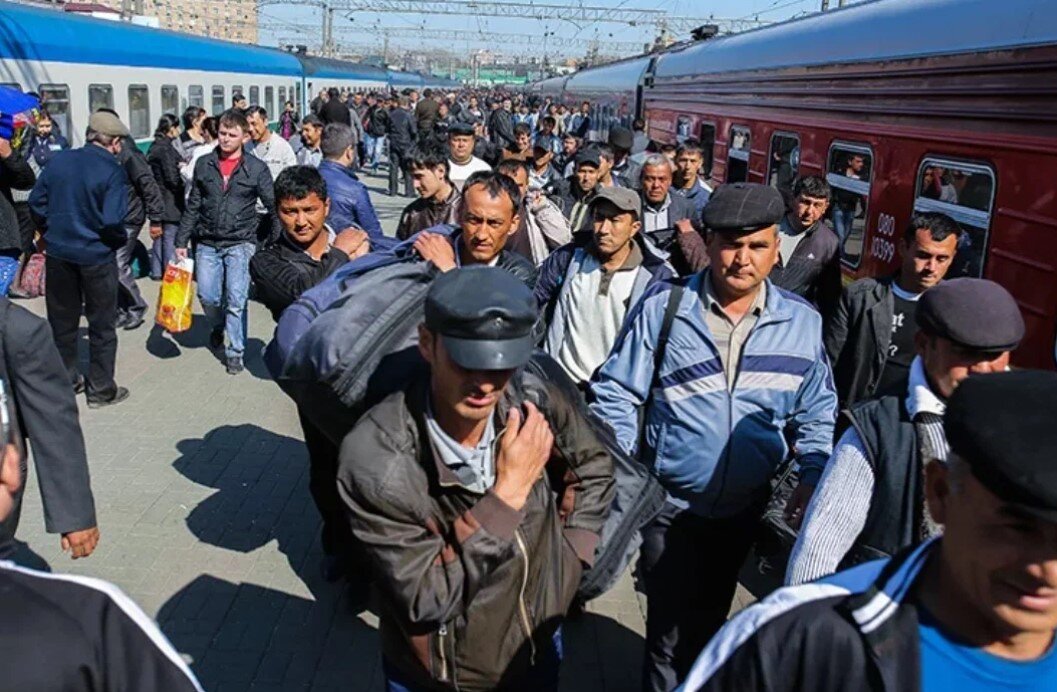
(34,278)
(353,339)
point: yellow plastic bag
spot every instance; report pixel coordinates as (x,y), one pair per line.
(177,294)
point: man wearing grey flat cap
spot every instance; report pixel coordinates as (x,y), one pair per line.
(479,494)
(870,501)
(731,378)
(80,200)
(973,609)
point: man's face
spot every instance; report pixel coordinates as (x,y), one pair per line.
(995,556)
(587,176)
(542,157)
(605,166)
(521,178)
(569,146)
(948,364)
(428,181)
(44,128)
(687,165)
(311,135)
(506,104)
(471,395)
(473,102)
(740,263)
(585,108)
(808,210)
(926,261)
(242,103)
(656,181)
(547,128)
(357,99)
(523,141)
(303,219)
(856,164)
(230,138)
(258,127)
(613,228)
(486,223)
(461,147)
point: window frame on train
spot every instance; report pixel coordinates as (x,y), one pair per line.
(269,101)
(139,127)
(734,129)
(773,165)
(94,91)
(217,95)
(842,182)
(281,106)
(62,118)
(978,219)
(174,106)
(255,97)
(236,89)
(198,99)
(708,145)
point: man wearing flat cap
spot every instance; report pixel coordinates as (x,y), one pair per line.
(870,502)
(461,161)
(479,493)
(621,139)
(974,609)
(731,377)
(80,200)
(582,186)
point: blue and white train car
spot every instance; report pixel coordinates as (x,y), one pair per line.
(323,73)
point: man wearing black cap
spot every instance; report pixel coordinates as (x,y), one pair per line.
(453,487)
(731,378)
(870,501)
(543,175)
(461,161)
(586,289)
(582,188)
(870,338)
(622,140)
(975,609)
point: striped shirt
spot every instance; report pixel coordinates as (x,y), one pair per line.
(730,337)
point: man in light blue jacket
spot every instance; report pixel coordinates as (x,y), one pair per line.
(740,383)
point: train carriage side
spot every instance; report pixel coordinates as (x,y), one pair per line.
(613,90)
(80,64)
(323,73)
(965,129)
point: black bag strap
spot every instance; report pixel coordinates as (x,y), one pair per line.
(675,296)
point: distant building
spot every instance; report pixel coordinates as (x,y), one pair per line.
(230,20)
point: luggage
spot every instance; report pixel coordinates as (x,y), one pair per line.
(176,297)
(33,276)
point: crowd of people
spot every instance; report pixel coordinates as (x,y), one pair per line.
(588,305)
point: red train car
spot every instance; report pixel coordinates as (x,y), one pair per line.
(904,105)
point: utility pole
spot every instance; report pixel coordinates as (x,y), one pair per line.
(825,5)
(327,44)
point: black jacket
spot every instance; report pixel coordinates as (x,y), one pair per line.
(223,217)
(378,121)
(46,410)
(857,336)
(402,131)
(69,633)
(165,165)
(426,213)
(856,630)
(471,586)
(501,128)
(15,174)
(144,196)
(813,271)
(334,111)
(282,272)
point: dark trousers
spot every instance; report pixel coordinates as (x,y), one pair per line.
(95,286)
(337,538)
(396,165)
(691,566)
(129,300)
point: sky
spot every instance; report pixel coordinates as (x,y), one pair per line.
(289,23)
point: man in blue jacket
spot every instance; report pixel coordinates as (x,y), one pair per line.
(740,370)
(350,204)
(80,200)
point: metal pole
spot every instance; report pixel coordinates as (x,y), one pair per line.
(825,5)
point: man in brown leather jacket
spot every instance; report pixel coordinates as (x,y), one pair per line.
(479,494)
(438,199)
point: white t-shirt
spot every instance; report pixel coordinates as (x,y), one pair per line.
(459,173)
(592,318)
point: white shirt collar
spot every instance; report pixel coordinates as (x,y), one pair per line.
(920,397)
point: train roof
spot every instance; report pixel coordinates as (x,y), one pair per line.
(619,75)
(341,69)
(33,33)
(397,78)
(871,31)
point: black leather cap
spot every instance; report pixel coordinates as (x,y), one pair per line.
(743,208)
(591,156)
(1002,425)
(485,316)
(621,138)
(460,128)
(976,314)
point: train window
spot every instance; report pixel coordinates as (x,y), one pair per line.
(738,155)
(707,137)
(282,99)
(170,99)
(218,100)
(255,96)
(236,90)
(138,111)
(56,98)
(682,129)
(196,96)
(965,192)
(297,99)
(269,100)
(100,96)
(784,163)
(849,173)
